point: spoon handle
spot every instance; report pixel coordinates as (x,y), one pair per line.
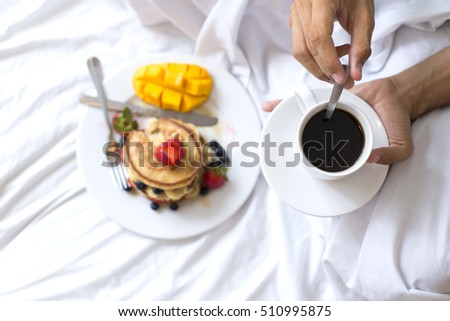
(336,93)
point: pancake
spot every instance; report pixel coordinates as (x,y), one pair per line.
(168,196)
(172,183)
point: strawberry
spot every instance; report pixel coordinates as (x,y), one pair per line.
(169,152)
(123,121)
(214,177)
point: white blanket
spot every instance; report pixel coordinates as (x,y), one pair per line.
(56,244)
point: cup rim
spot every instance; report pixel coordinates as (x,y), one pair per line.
(368,139)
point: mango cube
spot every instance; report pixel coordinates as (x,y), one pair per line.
(198,87)
(189,102)
(174,80)
(171,99)
(183,68)
(152,93)
(155,73)
(194,71)
(140,72)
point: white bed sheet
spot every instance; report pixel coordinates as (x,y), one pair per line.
(55,243)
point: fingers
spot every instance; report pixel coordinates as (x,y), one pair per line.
(300,49)
(361,30)
(319,40)
(270,105)
(350,83)
(391,154)
(312,44)
(311,23)
(343,50)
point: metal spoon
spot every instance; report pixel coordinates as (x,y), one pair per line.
(335,94)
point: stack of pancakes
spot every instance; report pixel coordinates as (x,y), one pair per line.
(159,182)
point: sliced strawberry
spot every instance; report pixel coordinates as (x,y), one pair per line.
(214,178)
(169,152)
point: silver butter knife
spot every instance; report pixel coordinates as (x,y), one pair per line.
(193,118)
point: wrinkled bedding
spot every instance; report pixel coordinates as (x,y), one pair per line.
(56,244)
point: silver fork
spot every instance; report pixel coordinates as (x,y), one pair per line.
(118,172)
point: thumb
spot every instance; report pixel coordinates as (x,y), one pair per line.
(360,47)
(270,105)
(390,155)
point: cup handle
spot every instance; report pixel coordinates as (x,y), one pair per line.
(305,98)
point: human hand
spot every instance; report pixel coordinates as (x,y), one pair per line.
(386,100)
(311,24)
(389,104)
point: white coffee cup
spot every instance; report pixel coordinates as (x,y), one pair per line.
(309,106)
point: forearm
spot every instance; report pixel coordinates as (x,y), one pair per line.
(426,85)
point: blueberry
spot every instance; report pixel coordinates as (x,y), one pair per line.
(157,191)
(213,144)
(154,206)
(217,149)
(220,152)
(173,206)
(140,186)
(204,190)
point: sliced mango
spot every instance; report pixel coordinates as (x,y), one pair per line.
(176,86)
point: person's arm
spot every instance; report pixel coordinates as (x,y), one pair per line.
(426,85)
(311,23)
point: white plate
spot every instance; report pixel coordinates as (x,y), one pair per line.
(300,190)
(238,123)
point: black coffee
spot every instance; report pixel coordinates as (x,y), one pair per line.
(333,145)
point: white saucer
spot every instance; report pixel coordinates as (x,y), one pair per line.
(300,190)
